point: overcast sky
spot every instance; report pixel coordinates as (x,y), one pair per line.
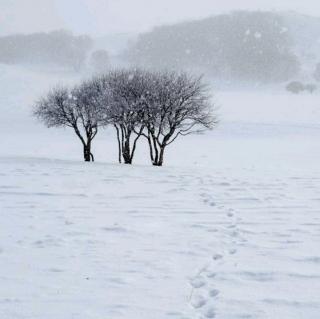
(98,17)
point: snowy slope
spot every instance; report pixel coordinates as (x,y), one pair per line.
(92,241)
(229,228)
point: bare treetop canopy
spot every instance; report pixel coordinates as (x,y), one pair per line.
(159,106)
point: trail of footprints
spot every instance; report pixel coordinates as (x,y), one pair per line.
(286,208)
(204,291)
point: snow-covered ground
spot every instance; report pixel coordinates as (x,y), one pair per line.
(229,228)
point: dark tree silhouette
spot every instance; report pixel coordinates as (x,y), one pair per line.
(177,105)
(127,90)
(161,106)
(79,109)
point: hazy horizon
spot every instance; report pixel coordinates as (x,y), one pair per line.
(100,17)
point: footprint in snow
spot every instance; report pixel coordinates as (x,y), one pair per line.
(232,251)
(214,293)
(55,270)
(198,301)
(198,282)
(217,257)
(234,233)
(210,313)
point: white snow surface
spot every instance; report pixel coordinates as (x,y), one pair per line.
(229,228)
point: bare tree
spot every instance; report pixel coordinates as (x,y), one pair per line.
(127,90)
(178,105)
(79,108)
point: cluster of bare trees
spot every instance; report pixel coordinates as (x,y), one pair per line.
(155,106)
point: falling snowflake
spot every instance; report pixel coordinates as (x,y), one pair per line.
(257,35)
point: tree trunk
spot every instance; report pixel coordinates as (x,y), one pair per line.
(150,149)
(159,159)
(161,156)
(119,143)
(127,160)
(126,152)
(156,151)
(126,156)
(87,155)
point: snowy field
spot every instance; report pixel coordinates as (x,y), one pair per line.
(229,228)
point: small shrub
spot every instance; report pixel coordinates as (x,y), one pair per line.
(295,87)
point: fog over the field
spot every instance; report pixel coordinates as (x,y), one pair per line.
(234,42)
(100,17)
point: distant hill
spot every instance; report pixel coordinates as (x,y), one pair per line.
(238,47)
(305,32)
(58,48)
(245,46)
